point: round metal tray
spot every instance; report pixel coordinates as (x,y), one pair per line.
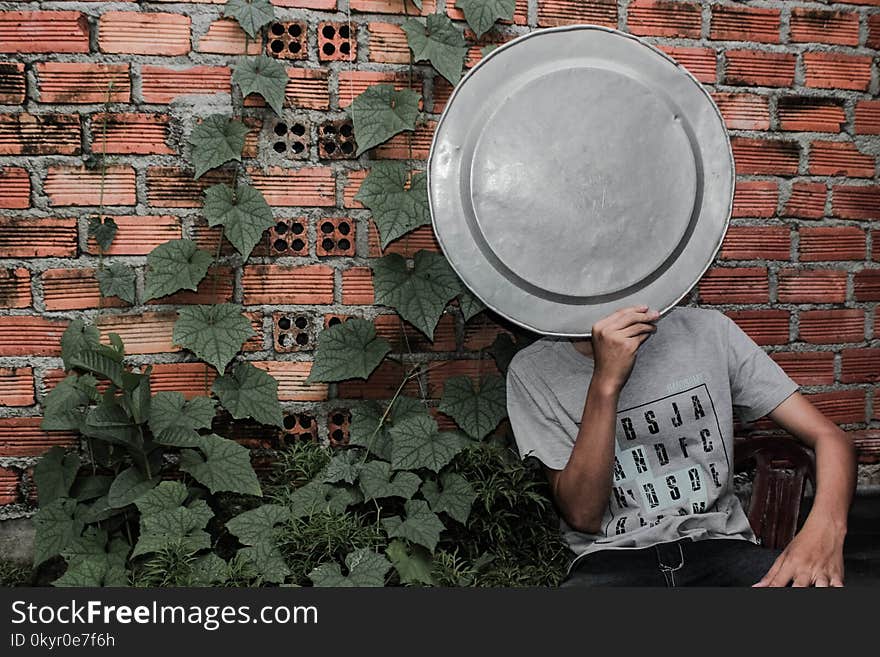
(575,170)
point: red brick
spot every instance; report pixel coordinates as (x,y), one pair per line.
(868,116)
(757,68)
(44,31)
(398,147)
(855,202)
(15,288)
(840,158)
(357,286)
(291,376)
(662,18)
(190,379)
(765,156)
(755,198)
(701,62)
(811,114)
(816,26)
(481,331)
(867,285)
(41,134)
(403,336)
(318,4)
(841,406)
(38,237)
(732,23)
(16,386)
(174,187)
(140,234)
(22,436)
(13,85)
(225,37)
(422,238)
(381,384)
(9,484)
(77,185)
(812,286)
(141,134)
(144,333)
(807,200)
(474,368)
(567,12)
(860,365)
(756,242)
(744,111)
(735,285)
(162,84)
(873,40)
(15,188)
(832,243)
(289,285)
(807,368)
(142,33)
(74,289)
(83,82)
(520,13)
(392,7)
(765,327)
(26,335)
(208,291)
(826,70)
(306,186)
(353,83)
(832,326)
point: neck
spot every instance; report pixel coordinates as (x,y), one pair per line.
(583,345)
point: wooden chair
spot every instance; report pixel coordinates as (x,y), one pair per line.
(782,466)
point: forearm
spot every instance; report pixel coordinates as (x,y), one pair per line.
(584,485)
(835,480)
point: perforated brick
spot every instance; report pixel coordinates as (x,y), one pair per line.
(337,41)
(287,40)
(336,140)
(289,237)
(293,331)
(299,427)
(335,236)
(338,426)
(288,138)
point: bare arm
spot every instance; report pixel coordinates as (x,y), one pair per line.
(582,488)
(815,555)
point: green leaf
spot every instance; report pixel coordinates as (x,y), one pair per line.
(267,561)
(214,332)
(365,568)
(413,565)
(226,466)
(128,486)
(215,141)
(422,526)
(365,420)
(175,265)
(420,294)
(78,336)
(117,280)
(98,510)
(171,416)
(54,474)
(209,570)
(56,527)
(137,394)
(165,528)
(92,572)
(476,411)
(164,497)
(262,75)
(417,444)
(90,488)
(94,544)
(250,392)
(439,41)
(250,14)
(482,14)
(258,525)
(376,482)
(380,112)
(101,362)
(489,47)
(455,499)
(396,210)
(344,466)
(350,349)
(470,305)
(103,232)
(64,406)
(109,421)
(243,213)
(317,497)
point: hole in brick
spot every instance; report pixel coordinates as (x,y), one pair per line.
(283,339)
(280,129)
(338,436)
(344,228)
(343,31)
(328,49)
(338,418)
(329,146)
(344,244)
(302,339)
(298,245)
(277,29)
(279,147)
(344,48)
(345,129)
(276,46)
(301,322)
(293,46)
(329,130)
(294,30)
(305,421)
(327,227)
(280,245)
(289,422)
(305,436)
(284,323)
(328,31)
(281,228)
(297,228)
(327,244)
(347,148)
(297,147)
(298,129)
(333,321)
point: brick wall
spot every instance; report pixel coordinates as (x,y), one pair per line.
(797,84)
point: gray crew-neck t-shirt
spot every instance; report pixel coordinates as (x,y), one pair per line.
(673,466)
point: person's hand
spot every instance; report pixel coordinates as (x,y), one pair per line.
(813,558)
(616,338)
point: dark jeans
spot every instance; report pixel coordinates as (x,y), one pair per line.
(708,562)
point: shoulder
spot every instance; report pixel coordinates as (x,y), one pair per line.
(532,357)
(691,318)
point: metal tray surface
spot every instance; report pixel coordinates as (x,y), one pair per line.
(577,169)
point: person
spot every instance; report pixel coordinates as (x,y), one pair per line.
(634,428)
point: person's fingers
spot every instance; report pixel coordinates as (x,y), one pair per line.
(821,582)
(637,329)
(836,581)
(774,570)
(611,317)
(802,580)
(784,576)
(631,317)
